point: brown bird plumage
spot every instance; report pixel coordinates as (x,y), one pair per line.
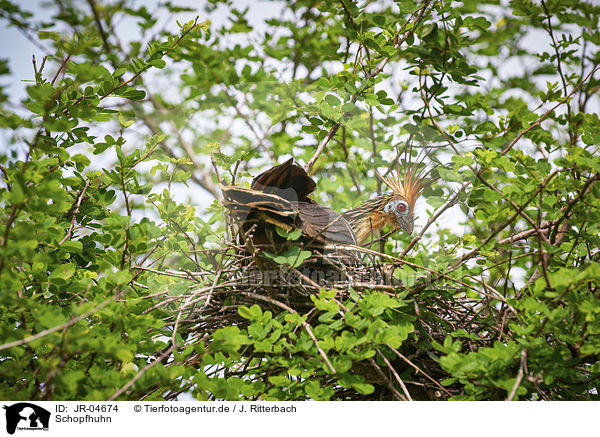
(279,197)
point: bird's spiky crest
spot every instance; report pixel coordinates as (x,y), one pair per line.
(410,181)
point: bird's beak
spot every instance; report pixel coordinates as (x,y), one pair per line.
(407,223)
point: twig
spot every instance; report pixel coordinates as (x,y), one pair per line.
(138,375)
(393,389)
(410,363)
(549,111)
(214,284)
(416,266)
(525,234)
(388,364)
(205,181)
(496,231)
(79,199)
(322,145)
(399,40)
(57,328)
(184,275)
(513,392)
(60,68)
(103,35)
(572,202)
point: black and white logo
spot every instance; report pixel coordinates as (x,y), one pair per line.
(27,417)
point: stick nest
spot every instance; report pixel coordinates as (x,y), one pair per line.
(439,304)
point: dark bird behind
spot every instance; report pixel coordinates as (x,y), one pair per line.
(279,197)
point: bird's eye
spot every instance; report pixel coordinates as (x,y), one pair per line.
(401,207)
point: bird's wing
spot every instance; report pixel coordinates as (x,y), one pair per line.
(287,180)
(251,206)
(324,224)
(239,197)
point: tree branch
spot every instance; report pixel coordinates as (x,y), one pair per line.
(399,40)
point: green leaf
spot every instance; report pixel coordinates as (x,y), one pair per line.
(332,100)
(72,246)
(134,94)
(40,92)
(158,63)
(293,257)
(119,72)
(63,271)
(123,122)
(291,236)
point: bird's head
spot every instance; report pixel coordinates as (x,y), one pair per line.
(402,213)
(395,209)
(407,185)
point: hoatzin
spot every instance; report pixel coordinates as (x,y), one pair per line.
(279,196)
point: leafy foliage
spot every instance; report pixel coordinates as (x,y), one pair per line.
(111,261)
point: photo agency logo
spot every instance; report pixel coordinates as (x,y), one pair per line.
(26,417)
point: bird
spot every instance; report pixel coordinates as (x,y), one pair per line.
(280,197)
